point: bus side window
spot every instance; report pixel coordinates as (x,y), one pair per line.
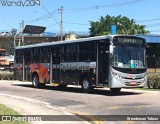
(86,51)
(36,55)
(19,56)
(70,52)
(45,55)
(27,56)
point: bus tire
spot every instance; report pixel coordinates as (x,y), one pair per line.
(35,82)
(115,90)
(86,86)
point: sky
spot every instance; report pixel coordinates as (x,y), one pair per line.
(77,14)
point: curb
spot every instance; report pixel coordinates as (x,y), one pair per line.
(141,91)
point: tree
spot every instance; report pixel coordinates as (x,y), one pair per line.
(128,26)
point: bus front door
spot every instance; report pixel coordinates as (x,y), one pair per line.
(103,62)
(56,56)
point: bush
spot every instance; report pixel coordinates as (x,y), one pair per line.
(154,81)
(6,76)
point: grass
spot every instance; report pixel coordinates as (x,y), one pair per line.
(7,111)
(6,75)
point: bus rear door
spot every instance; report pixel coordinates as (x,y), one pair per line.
(56,57)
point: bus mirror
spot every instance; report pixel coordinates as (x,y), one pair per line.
(111,49)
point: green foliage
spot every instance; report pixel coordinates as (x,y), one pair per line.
(8,111)
(8,46)
(103,26)
(154,81)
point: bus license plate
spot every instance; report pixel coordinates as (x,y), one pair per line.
(133,83)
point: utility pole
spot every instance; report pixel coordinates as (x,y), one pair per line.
(22,33)
(23,45)
(61,23)
(21,36)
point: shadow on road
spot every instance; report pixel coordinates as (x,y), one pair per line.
(78,90)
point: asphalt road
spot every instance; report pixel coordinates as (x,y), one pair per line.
(100,102)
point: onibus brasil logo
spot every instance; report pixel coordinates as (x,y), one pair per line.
(21,3)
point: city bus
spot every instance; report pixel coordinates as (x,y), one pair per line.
(114,61)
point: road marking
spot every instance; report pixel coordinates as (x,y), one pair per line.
(137,108)
(36,102)
(45,104)
(91,118)
(128,122)
(113,107)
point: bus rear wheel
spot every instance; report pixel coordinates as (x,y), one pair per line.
(85,84)
(115,90)
(35,82)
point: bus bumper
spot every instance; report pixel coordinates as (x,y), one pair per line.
(125,83)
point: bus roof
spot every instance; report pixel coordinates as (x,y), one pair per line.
(70,41)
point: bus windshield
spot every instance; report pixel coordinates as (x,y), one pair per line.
(129,56)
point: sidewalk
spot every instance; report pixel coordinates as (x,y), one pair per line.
(140,91)
(26,106)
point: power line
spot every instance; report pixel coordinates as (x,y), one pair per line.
(42,17)
(123,3)
(74,23)
(105,6)
(52,25)
(49,14)
(117,4)
(85,8)
(148,20)
(153,25)
(155,31)
(6,23)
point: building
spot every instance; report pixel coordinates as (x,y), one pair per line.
(152,52)
(70,36)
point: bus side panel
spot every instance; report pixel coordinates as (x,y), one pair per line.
(28,74)
(71,72)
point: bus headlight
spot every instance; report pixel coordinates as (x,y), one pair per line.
(117,76)
(145,78)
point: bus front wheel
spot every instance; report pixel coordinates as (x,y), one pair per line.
(115,90)
(35,82)
(85,84)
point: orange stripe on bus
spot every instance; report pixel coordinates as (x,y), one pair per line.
(38,66)
(47,76)
(32,67)
(42,71)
